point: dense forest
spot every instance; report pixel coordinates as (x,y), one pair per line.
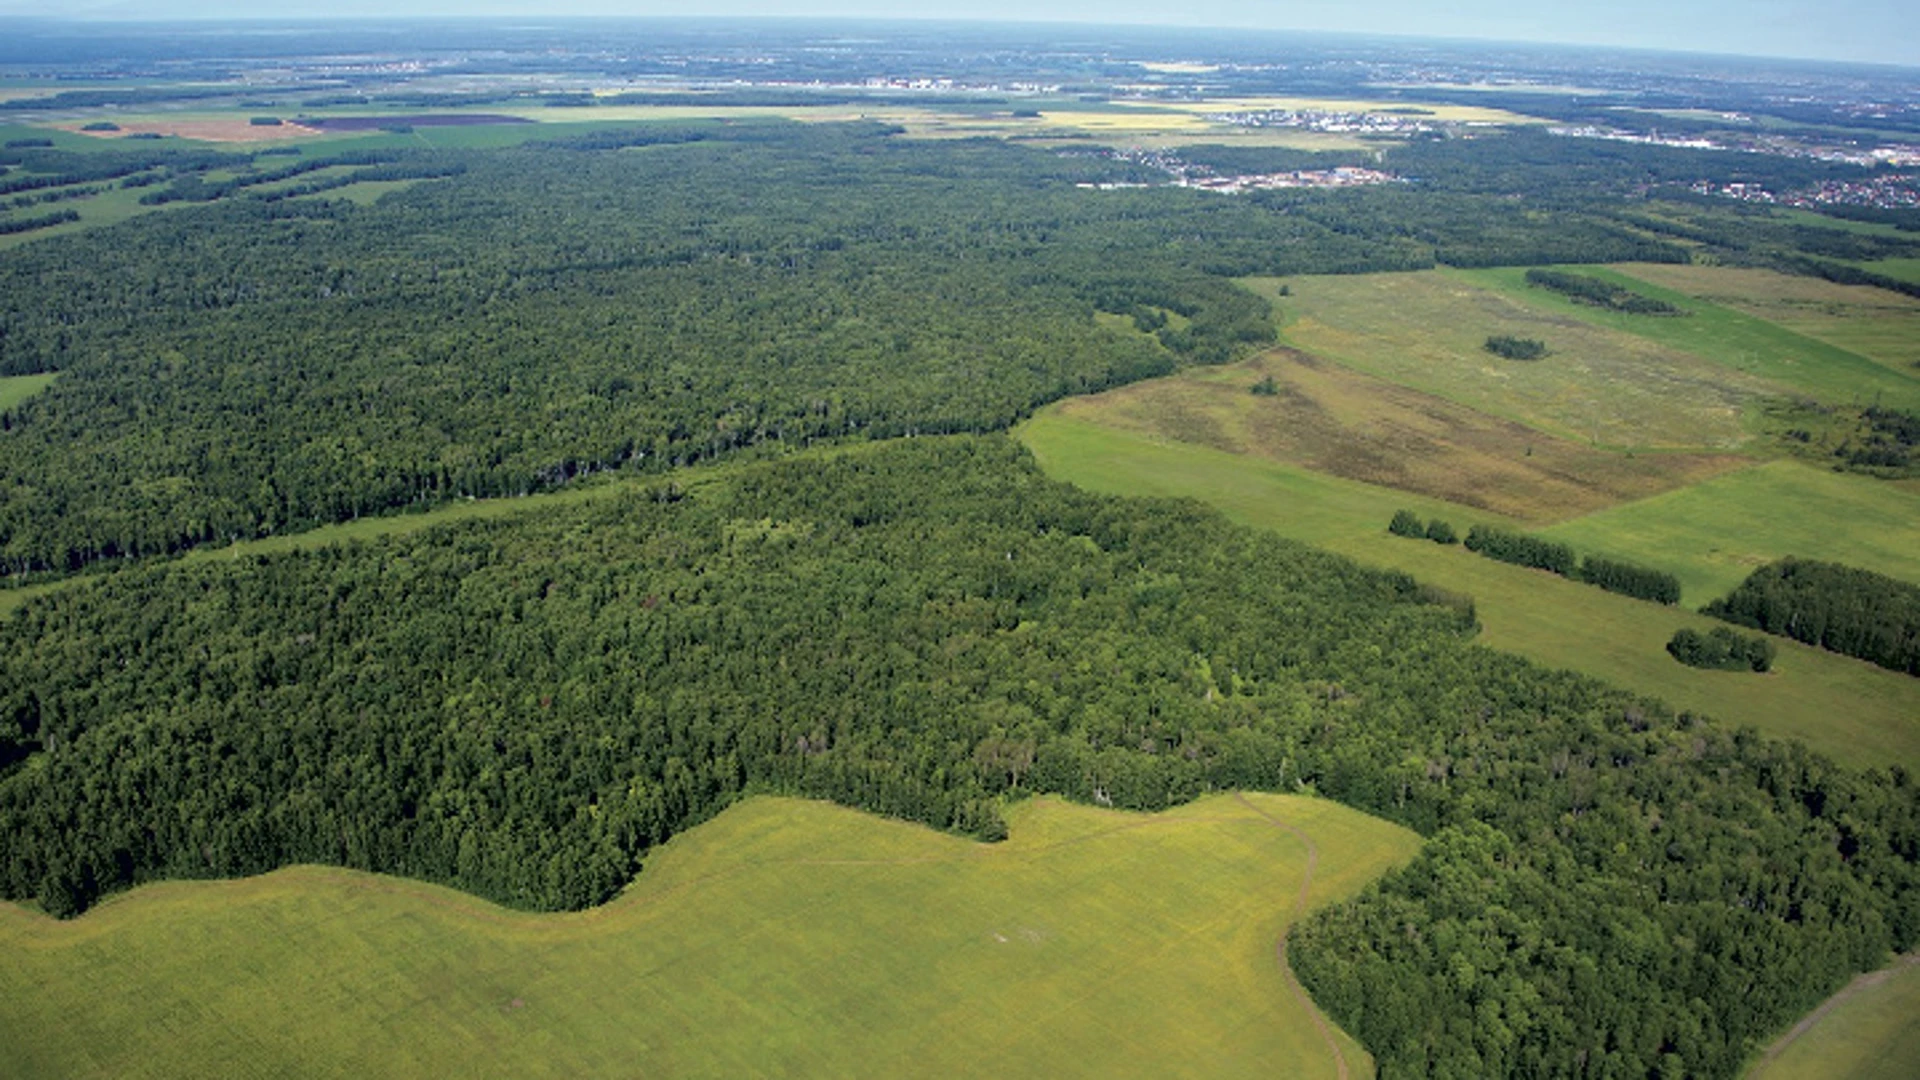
(522,707)
(634,300)
(1848,610)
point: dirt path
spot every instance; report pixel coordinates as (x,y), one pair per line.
(1860,983)
(1280,949)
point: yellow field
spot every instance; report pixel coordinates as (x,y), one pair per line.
(783,938)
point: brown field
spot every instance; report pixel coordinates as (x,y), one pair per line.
(235,129)
(1879,324)
(1335,420)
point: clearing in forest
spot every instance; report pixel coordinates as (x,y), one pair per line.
(1293,407)
(783,937)
(1599,385)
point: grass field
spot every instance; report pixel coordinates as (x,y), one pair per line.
(1343,423)
(1601,385)
(1739,342)
(1878,324)
(1868,1031)
(1714,534)
(783,938)
(15,389)
(1845,708)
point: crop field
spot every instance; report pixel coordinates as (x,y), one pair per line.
(1864,1032)
(1598,385)
(1714,534)
(1343,423)
(1878,324)
(782,938)
(1739,342)
(1848,709)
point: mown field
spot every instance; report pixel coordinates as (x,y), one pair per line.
(15,389)
(782,938)
(1867,1031)
(1845,708)
(1713,534)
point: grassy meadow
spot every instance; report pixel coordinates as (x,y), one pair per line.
(1867,1031)
(782,938)
(1848,709)
(1333,420)
(1740,343)
(1601,385)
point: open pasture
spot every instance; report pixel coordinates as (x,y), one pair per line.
(1878,324)
(782,938)
(1739,343)
(1599,385)
(1713,534)
(1343,423)
(1847,709)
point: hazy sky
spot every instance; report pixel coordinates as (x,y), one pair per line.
(1885,31)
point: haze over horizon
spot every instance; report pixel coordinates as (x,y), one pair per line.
(1869,31)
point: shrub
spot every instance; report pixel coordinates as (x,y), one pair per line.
(1407,523)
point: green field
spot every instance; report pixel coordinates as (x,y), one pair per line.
(15,389)
(1713,534)
(1868,1031)
(783,938)
(1848,709)
(1740,342)
(1601,385)
(1898,269)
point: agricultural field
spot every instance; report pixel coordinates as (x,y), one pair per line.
(1713,534)
(1865,1032)
(783,937)
(1600,385)
(1850,710)
(1742,344)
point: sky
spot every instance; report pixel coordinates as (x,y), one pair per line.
(1879,31)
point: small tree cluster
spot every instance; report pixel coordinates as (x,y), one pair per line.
(1516,348)
(1408,524)
(1721,649)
